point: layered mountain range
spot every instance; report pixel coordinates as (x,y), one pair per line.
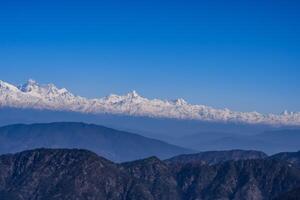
(118,146)
(33,95)
(80,174)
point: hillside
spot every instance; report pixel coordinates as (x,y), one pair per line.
(80,174)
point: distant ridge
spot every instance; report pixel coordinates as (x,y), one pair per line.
(113,144)
(37,96)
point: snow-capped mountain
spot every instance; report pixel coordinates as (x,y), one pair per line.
(36,96)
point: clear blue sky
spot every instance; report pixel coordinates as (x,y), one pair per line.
(243,54)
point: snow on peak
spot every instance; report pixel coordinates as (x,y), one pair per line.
(133,97)
(180,102)
(33,87)
(29,86)
(36,96)
(7,87)
(286,113)
(31,82)
(133,94)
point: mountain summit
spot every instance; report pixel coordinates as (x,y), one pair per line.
(37,96)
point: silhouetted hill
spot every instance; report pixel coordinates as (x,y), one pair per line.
(80,174)
(290,157)
(155,175)
(291,195)
(59,174)
(214,157)
(112,144)
(244,179)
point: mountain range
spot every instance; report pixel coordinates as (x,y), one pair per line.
(271,141)
(33,95)
(112,144)
(81,174)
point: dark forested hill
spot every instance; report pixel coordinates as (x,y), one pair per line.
(80,174)
(214,157)
(290,157)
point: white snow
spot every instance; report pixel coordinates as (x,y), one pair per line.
(36,96)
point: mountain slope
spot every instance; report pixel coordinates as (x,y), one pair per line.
(155,175)
(290,157)
(36,96)
(291,195)
(215,157)
(113,144)
(59,174)
(80,174)
(240,180)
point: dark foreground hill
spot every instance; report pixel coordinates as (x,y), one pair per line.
(80,174)
(112,144)
(291,195)
(290,157)
(215,157)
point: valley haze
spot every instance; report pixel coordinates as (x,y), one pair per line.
(176,122)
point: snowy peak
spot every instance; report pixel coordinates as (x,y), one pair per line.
(31,86)
(7,87)
(130,97)
(180,102)
(37,96)
(133,95)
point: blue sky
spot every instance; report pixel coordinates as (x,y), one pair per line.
(243,55)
